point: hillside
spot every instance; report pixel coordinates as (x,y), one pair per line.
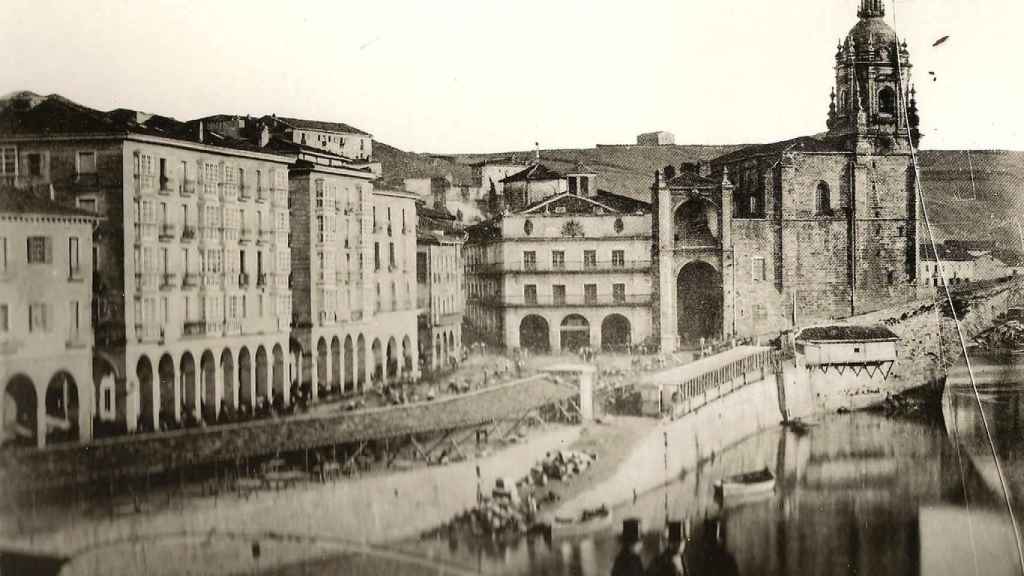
(970,195)
(974,195)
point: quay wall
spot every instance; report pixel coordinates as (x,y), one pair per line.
(928,344)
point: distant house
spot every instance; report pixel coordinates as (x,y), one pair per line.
(659,138)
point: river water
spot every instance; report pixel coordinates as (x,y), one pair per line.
(857,493)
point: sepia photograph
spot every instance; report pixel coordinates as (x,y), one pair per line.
(555,288)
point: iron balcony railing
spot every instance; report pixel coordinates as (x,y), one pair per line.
(572,299)
(581,266)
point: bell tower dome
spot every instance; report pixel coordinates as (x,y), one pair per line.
(872,87)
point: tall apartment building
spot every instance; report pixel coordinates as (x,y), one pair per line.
(352,255)
(192,308)
(45,327)
(440,276)
(569,266)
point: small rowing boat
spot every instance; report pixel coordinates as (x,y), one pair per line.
(746,485)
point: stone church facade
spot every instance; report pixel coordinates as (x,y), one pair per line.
(801,231)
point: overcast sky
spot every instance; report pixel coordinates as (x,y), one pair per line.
(492,75)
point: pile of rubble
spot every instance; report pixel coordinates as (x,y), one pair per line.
(1008,335)
(561,465)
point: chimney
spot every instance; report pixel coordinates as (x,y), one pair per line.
(199,131)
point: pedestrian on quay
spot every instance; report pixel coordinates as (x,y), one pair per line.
(628,562)
(671,561)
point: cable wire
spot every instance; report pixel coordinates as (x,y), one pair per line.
(949,298)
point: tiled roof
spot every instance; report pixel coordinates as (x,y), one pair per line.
(690,180)
(56,115)
(319,125)
(945,252)
(845,333)
(534,172)
(801,144)
(19,201)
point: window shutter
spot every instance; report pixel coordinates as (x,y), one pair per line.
(200,177)
(138,161)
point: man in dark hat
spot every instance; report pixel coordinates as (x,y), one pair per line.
(671,561)
(628,562)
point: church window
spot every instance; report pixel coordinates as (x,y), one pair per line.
(887,101)
(753,205)
(527,227)
(842,101)
(823,204)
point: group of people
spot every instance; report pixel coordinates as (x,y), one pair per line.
(679,557)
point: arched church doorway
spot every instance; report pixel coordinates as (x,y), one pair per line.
(699,302)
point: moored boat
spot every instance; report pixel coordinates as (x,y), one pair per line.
(746,485)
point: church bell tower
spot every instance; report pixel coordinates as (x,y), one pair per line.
(873,88)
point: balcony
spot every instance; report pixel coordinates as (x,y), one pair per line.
(575,267)
(145,231)
(326,318)
(244,193)
(262,195)
(266,237)
(167,186)
(245,235)
(76,341)
(75,274)
(261,280)
(228,192)
(209,233)
(187,188)
(144,183)
(190,281)
(149,332)
(168,232)
(569,300)
(147,281)
(170,281)
(210,190)
(212,281)
(280,197)
(194,328)
(188,233)
(243,280)
(357,315)
(232,327)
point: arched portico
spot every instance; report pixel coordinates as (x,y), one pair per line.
(615,333)
(534,334)
(62,408)
(21,418)
(574,332)
(148,397)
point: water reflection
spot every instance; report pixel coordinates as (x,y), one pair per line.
(855,494)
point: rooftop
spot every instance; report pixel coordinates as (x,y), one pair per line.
(846,333)
(535,172)
(320,125)
(20,201)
